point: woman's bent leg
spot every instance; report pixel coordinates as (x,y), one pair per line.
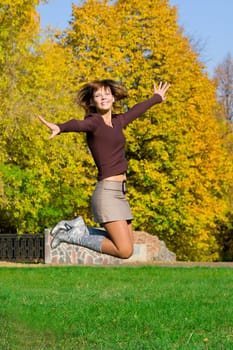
(120,242)
(115,240)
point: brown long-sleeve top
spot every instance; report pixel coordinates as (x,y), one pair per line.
(107,143)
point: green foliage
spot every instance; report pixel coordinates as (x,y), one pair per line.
(40,183)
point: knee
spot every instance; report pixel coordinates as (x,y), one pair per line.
(126,252)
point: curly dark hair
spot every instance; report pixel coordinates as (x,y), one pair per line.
(85,94)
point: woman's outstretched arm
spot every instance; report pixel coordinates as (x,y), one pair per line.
(73,125)
(141,107)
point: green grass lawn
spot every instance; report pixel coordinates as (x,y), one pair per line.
(108,308)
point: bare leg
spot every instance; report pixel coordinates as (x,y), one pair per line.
(120,243)
(115,240)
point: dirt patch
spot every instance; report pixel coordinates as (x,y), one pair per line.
(162,264)
(14,264)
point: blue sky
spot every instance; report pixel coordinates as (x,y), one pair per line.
(208,22)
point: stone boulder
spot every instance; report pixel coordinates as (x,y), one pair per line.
(147,249)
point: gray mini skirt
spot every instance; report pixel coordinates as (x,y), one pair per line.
(109,202)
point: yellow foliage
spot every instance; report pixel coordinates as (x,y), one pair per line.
(178,168)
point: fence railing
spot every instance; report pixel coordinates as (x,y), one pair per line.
(22,248)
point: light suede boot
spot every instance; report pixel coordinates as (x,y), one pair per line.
(66,225)
(90,238)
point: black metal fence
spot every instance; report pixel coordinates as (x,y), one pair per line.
(22,248)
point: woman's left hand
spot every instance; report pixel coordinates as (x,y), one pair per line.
(162,89)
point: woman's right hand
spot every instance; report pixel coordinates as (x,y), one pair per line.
(53,127)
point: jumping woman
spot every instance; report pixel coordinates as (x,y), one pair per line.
(106,141)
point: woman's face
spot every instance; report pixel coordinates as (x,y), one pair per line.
(103,99)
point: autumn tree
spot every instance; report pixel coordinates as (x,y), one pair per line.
(41,182)
(19,24)
(224,79)
(178,169)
